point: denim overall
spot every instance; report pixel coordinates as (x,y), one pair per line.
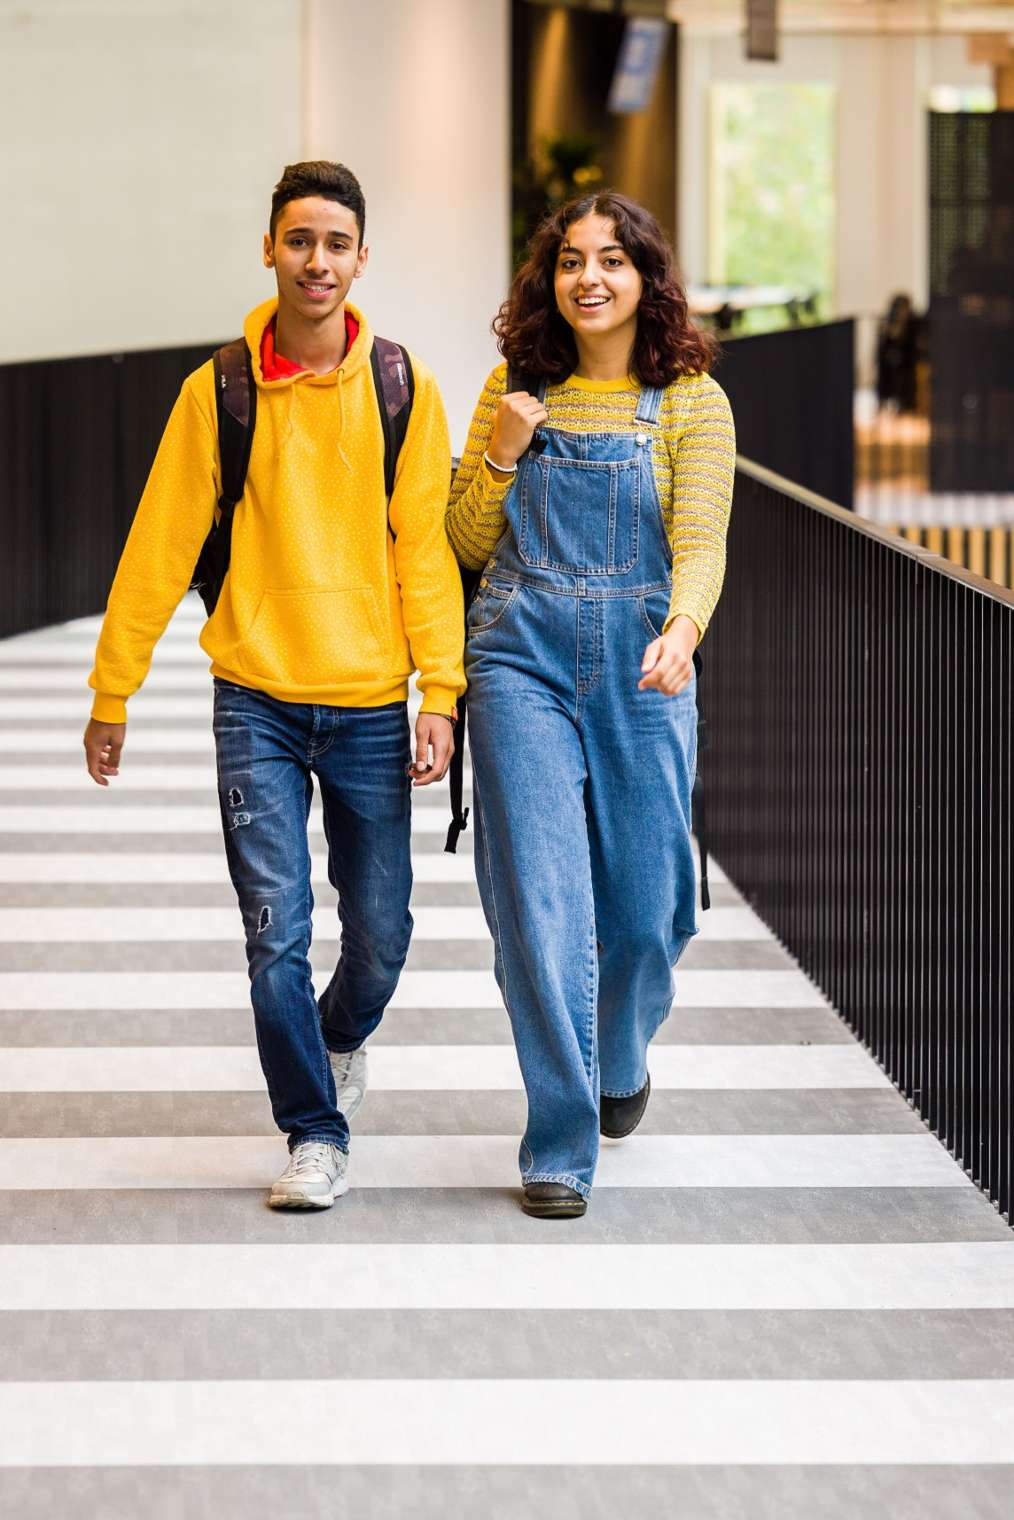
(582,783)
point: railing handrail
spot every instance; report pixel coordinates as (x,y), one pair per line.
(862,525)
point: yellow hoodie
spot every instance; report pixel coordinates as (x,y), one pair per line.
(322,603)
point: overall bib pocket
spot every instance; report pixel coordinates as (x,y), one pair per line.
(580,516)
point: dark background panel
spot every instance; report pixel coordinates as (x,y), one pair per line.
(77,438)
(971,315)
(791,394)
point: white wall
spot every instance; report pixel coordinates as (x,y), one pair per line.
(883,86)
(413,95)
(141,140)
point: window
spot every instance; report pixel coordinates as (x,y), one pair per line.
(772,190)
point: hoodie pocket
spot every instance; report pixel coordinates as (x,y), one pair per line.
(315,638)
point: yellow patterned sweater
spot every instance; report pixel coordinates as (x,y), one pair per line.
(694,460)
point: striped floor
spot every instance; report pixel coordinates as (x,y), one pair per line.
(785,1301)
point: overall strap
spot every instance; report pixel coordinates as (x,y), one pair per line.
(649,405)
(535,385)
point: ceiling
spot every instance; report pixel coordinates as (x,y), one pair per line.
(886,16)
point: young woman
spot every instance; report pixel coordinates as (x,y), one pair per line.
(596,502)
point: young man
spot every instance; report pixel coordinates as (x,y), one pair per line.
(333,596)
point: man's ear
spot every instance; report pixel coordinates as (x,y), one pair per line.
(362,261)
(269,252)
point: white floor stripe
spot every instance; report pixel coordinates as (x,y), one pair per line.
(144,707)
(198,925)
(92,817)
(417,989)
(962,1275)
(204,868)
(55,743)
(45,680)
(426,1068)
(470,1421)
(79,653)
(487,1161)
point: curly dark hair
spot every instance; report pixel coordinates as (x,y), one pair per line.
(534,338)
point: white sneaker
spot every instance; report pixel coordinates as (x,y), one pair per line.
(349,1068)
(316,1175)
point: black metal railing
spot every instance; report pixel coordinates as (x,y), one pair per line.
(77,437)
(860,781)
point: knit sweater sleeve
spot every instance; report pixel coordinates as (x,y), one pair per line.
(703,451)
(475,513)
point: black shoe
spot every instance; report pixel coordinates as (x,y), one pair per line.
(553,1200)
(621,1116)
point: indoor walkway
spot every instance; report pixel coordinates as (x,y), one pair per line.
(785,1300)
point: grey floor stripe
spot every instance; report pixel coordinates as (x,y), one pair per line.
(191,797)
(518,1492)
(789,1112)
(401,1026)
(179,894)
(666,1216)
(42,1346)
(424,954)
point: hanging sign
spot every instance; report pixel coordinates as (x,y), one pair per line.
(762,30)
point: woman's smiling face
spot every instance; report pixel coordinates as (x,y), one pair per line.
(597,287)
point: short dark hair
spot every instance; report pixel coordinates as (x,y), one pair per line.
(319,177)
(534,338)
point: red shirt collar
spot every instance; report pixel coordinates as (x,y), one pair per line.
(275,366)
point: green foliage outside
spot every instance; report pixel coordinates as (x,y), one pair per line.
(772,220)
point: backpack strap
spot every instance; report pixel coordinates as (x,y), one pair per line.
(236,409)
(394,384)
(235,412)
(456,771)
(700,824)
(524,380)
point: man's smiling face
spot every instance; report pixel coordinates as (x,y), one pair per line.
(315,253)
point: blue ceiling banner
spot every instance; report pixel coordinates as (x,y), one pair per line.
(641,53)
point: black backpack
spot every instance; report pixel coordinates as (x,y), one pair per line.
(518,380)
(236,409)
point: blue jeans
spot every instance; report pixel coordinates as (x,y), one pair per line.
(268,753)
(581,783)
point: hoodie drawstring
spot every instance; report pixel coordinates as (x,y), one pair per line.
(341,419)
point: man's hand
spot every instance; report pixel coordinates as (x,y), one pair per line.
(434,746)
(102,745)
(668,662)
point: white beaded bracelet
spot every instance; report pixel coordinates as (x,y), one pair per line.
(500,468)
